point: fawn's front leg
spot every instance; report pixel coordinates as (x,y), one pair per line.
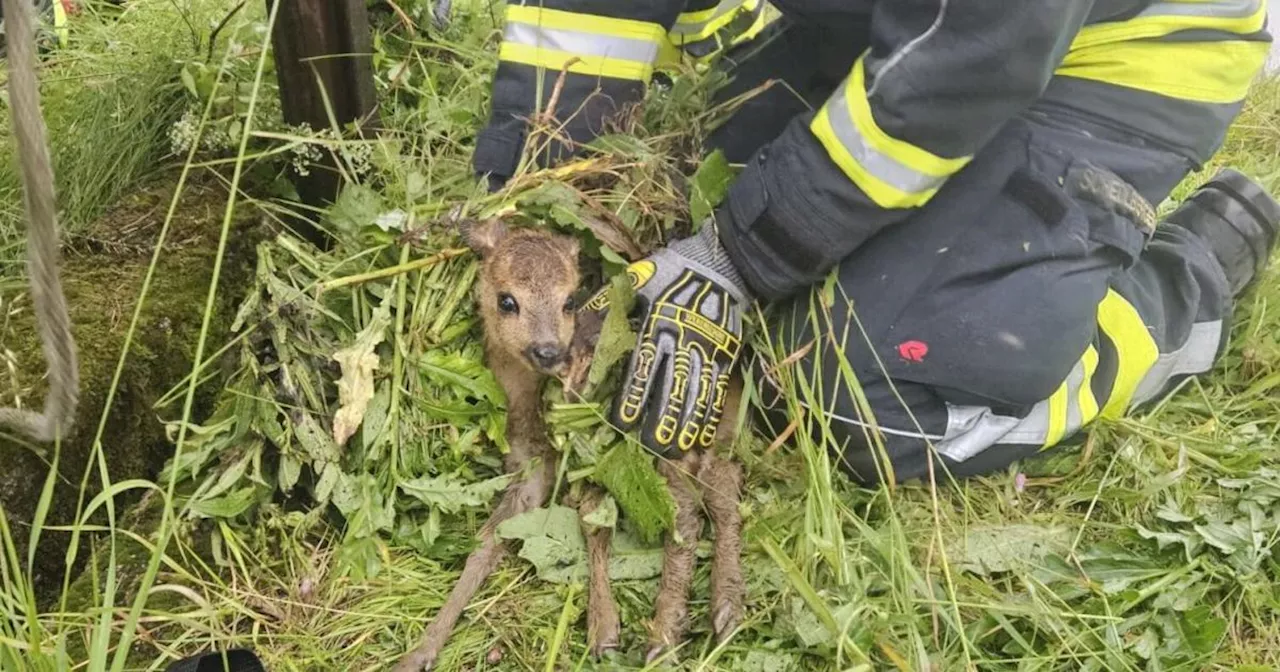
(602,612)
(671,609)
(521,495)
(721,481)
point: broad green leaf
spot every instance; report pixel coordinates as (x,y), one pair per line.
(451,494)
(290,472)
(357,207)
(710,184)
(1145,646)
(808,629)
(1002,548)
(462,373)
(372,430)
(329,475)
(1200,629)
(317,443)
(627,472)
(604,515)
(616,336)
(228,506)
(759,660)
(1190,543)
(551,541)
(630,559)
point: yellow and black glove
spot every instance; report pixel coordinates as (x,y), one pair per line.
(692,300)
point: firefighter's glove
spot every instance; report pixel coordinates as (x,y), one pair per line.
(691,298)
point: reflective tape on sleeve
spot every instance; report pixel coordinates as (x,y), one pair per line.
(586,43)
(1213,72)
(894,173)
(1201,51)
(699,25)
(1241,17)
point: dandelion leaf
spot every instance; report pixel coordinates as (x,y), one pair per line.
(451,494)
(551,541)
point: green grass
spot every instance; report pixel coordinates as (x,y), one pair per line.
(1149,548)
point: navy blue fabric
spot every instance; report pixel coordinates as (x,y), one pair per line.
(999,277)
(233,660)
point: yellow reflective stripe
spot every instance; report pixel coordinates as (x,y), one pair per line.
(602,46)
(894,173)
(553,59)
(1206,72)
(1162,18)
(699,16)
(60,22)
(1088,402)
(1057,416)
(586,23)
(702,24)
(1072,405)
(1136,351)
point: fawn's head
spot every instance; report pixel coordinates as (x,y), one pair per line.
(528,278)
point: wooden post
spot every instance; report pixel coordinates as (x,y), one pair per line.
(323,49)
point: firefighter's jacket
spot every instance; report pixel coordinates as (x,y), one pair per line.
(938,80)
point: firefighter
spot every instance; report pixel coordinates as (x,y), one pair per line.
(52,28)
(977,177)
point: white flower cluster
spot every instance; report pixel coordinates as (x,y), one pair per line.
(358,156)
(184,131)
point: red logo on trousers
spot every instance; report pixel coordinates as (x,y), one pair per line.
(913,351)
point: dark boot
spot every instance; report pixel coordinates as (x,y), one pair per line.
(1238,219)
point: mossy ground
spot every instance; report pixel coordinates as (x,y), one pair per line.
(104,267)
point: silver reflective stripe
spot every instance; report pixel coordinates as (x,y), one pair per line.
(694,28)
(973,429)
(885,168)
(581,43)
(1197,355)
(1222,9)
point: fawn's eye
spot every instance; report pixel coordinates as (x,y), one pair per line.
(570,305)
(507,304)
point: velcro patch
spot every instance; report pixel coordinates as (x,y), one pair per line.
(1038,197)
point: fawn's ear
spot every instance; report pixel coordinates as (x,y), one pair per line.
(483,237)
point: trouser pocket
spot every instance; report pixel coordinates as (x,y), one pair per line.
(1010,304)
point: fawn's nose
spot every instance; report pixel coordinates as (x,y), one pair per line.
(545,356)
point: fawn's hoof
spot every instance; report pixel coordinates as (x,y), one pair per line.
(725,617)
(655,652)
(606,642)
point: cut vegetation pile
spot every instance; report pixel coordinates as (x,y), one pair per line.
(321,513)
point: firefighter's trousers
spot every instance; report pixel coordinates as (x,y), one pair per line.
(1002,318)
